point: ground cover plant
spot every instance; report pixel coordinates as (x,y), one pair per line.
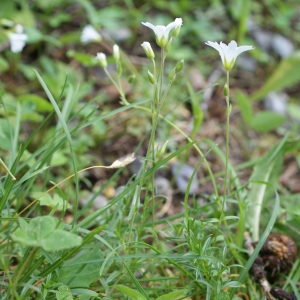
(143,158)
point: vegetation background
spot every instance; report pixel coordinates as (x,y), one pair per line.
(92,236)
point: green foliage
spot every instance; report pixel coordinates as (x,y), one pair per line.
(262,121)
(64,293)
(173,295)
(45,232)
(60,113)
(263,182)
(222,296)
(56,201)
(132,294)
(77,272)
(285,75)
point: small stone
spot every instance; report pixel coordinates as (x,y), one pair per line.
(118,35)
(247,63)
(183,174)
(276,102)
(99,201)
(162,186)
(282,45)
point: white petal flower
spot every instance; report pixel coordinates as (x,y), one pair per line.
(148,50)
(17,39)
(116,52)
(229,53)
(178,22)
(102,59)
(162,32)
(89,34)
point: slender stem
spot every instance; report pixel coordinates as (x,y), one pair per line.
(228,109)
(7,169)
(161,73)
(118,87)
(195,146)
(23,267)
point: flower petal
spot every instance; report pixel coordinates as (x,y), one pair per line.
(242,49)
(178,21)
(229,53)
(153,27)
(161,32)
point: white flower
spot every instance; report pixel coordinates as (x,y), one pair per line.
(102,59)
(17,39)
(148,50)
(89,34)
(116,52)
(178,22)
(162,32)
(229,53)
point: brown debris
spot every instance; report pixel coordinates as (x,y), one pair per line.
(277,255)
(280,294)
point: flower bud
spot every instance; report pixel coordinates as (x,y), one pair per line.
(161,151)
(162,41)
(102,59)
(90,34)
(172,75)
(176,29)
(168,46)
(179,66)
(116,53)
(226,90)
(119,69)
(131,78)
(151,77)
(148,50)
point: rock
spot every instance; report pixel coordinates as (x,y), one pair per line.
(99,201)
(247,63)
(282,46)
(162,186)
(183,174)
(276,102)
(118,35)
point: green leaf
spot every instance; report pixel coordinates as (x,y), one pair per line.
(294,111)
(132,294)
(59,159)
(34,35)
(245,106)
(41,227)
(85,59)
(173,295)
(42,232)
(196,108)
(35,102)
(46,200)
(222,296)
(266,121)
(264,178)
(78,272)
(64,293)
(59,240)
(5,129)
(286,74)
(4,65)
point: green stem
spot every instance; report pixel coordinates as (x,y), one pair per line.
(227,141)
(7,169)
(161,73)
(118,87)
(228,109)
(23,267)
(195,146)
